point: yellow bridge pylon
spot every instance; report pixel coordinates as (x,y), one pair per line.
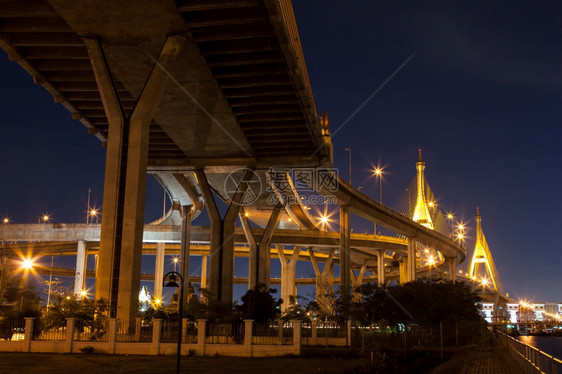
(482,260)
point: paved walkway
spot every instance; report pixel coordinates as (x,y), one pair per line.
(492,361)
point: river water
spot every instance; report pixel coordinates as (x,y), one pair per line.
(549,344)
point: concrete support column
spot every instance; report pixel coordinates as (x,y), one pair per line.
(345,250)
(380,268)
(288,274)
(203,276)
(356,282)
(411,260)
(118,275)
(159,270)
(323,283)
(260,252)
(185,249)
(452,262)
(81,266)
(220,284)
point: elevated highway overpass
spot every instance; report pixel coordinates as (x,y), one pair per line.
(209,97)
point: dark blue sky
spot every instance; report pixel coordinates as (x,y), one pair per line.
(481,97)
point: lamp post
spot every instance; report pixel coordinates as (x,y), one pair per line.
(430,262)
(50,284)
(349,150)
(26,265)
(172,276)
(378,173)
(450,218)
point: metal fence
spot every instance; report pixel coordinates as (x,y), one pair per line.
(272,333)
(225,333)
(127,331)
(170,332)
(330,330)
(41,332)
(531,359)
(91,330)
(12,329)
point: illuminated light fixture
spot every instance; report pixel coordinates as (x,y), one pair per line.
(431,261)
(484,282)
(377,171)
(45,218)
(246,214)
(450,216)
(175,260)
(461,227)
(6,220)
(83,293)
(324,219)
(27,264)
(431,204)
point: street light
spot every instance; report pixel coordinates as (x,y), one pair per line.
(349,150)
(26,265)
(175,260)
(450,218)
(94,215)
(378,173)
(6,220)
(430,262)
(172,282)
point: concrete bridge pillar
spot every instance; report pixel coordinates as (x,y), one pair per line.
(323,280)
(356,282)
(118,276)
(81,268)
(288,274)
(380,268)
(220,283)
(452,262)
(411,260)
(345,250)
(186,213)
(203,277)
(159,270)
(260,253)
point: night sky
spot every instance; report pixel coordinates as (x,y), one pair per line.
(480,94)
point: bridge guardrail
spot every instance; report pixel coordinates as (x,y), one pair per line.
(531,359)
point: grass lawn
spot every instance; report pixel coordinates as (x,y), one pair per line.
(100,364)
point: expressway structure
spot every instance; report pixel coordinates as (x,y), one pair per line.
(213,99)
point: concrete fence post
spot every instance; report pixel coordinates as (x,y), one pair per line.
(28,336)
(184,330)
(156,333)
(137,329)
(111,335)
(296,337)
(313,333)
(201,328)
(70,327)
(280,332)
(248,324)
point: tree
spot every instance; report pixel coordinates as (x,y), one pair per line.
(258,304)
(425,302)
(22,299)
